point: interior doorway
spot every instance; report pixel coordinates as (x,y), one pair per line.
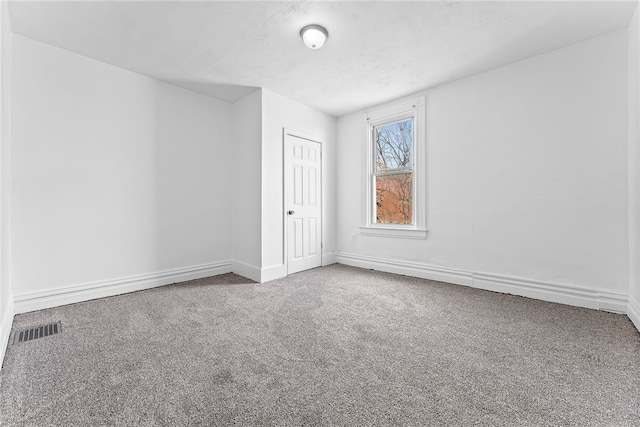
(303,202)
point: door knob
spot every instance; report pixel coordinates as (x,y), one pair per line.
(291,212)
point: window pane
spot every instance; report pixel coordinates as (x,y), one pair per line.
(394,199)
(394,145)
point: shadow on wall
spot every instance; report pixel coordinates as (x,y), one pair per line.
(192,179)
(116,177)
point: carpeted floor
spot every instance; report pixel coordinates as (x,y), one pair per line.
(331,346)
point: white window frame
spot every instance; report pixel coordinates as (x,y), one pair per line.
(415,109)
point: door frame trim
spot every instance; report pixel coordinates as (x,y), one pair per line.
(285,252)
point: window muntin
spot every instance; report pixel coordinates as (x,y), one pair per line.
(393,172)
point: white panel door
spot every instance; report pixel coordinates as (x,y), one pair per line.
(303,209)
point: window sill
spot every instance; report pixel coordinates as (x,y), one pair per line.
(402,233)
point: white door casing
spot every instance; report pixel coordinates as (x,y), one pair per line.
(303,202)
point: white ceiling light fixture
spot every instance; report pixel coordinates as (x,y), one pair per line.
(314,36)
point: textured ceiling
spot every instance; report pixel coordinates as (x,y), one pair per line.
(376,51)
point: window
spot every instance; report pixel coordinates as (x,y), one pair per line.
(393,172)
(393,204)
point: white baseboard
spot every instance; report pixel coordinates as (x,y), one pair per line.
(328,258)
(260,275)
(633,311)
(278,271)
(5,329)
(272,273)
(407,268)
(600,299)
(78,293)
(245,270)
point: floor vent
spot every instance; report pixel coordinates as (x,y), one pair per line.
(37,332)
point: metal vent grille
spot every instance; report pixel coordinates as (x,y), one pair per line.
(37,332)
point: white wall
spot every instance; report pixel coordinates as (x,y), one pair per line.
(278,113)
(119,181)
(246,195)
(6,298)
(527,181)
(633,35)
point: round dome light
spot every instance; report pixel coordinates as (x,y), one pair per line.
(314,36)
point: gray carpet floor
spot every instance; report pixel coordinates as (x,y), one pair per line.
(330,346)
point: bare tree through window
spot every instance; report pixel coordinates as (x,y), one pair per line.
(394,172)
